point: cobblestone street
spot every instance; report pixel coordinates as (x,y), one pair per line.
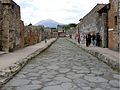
(64,66)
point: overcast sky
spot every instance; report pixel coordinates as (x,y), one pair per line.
(62,11)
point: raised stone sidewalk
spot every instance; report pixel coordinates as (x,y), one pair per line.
(1,52)
(110,57)
(11,63)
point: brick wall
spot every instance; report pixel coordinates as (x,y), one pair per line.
(113,25)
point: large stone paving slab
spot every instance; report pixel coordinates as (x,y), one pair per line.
(64,66)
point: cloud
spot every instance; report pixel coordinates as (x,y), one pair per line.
(63,11)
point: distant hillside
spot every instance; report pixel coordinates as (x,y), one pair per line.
(48,23)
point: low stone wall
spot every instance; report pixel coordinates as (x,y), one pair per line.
(8,73)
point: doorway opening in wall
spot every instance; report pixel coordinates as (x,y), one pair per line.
(118,47)
(107,38)
(116,20)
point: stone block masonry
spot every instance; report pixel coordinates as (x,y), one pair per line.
(13,33)
(119,22)
(89,22)
(113,25)
(6,1)
(33,34)
(103,18)
(10,26)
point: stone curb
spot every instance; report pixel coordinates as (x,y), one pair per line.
(8,73)
(109,61)
(1,53)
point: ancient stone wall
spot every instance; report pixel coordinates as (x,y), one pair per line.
(54,32)
(22,28)
(13,33)
(10,26)
(48,32)
(89,22)
(113,25)
(119,23)
(61,31)
(103,19)
(33,35)
(103,25)
(1,26)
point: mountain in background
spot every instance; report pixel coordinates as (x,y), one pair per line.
(48,23)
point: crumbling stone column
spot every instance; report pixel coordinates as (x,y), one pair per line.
(12,26)
(21,34)
(119,23)
(105,31)
(1,26)
(6,24)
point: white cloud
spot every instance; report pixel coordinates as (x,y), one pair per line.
(63,11)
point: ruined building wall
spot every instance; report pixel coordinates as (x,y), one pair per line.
(0,26)
(6,25)
(33,35)
(13,33)
(48,33)
(22,28)
(54,34)
(106,23)
(113,25)
(89,22)
(103,24)
(119,23)
(11,26)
